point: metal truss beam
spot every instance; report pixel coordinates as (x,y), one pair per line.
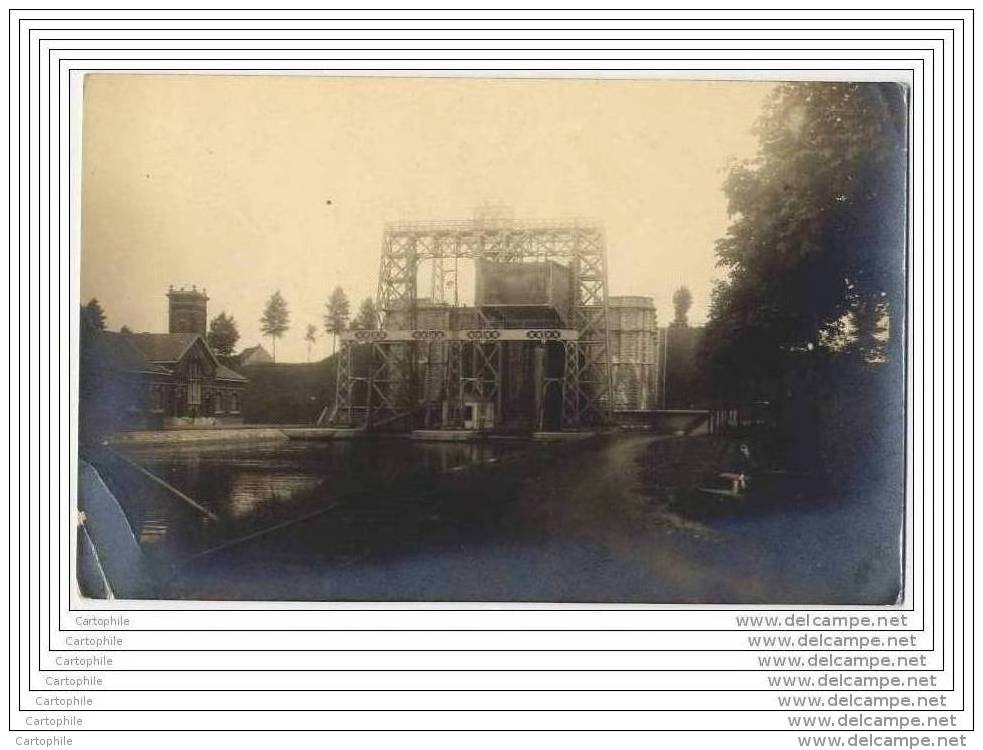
(473,369)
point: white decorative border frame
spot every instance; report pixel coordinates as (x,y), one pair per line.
(50,50)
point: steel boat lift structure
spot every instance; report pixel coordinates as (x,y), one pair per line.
(541,288)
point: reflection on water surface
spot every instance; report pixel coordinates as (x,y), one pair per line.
(257,485)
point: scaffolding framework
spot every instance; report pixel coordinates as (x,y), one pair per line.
(391,385)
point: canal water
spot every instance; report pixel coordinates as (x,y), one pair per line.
(397,520)
(251,488)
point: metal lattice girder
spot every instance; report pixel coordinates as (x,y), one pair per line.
(588,394)
(481,371)
(453,385)
(343,386)
(591,320)
(397,275)
(389,381)
(572,395)
(350,390)
(503,242)
(443,280)
(433,366)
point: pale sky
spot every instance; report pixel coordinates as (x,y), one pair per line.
(224,182)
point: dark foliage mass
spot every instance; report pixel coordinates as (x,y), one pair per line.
(810,315)
(367,318)
(288,393)
(92,315)
(682,300)
(223,334)
(336,314)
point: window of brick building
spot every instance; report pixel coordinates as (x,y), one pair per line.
(194,384)
(156,398)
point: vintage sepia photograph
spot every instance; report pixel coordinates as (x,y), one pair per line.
(492,340)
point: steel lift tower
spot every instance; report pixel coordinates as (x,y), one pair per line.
(430,358)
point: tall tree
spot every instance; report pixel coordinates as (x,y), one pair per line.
(367,318)
(814,256)
(336,315)
(311,338)
(818,231)
(223,333)
(93,315)
(276,319)
(682,300)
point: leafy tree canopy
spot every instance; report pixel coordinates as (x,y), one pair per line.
(223,333)
(276,318)
(367,318)
(336,314)
(682,300)
(815,252)
(92,315)
(337,311)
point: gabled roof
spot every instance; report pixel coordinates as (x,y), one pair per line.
(153,353)
(224,373)
(166,347)
(117,351)
(257,352)
(163,350)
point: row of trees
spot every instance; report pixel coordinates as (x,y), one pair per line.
(810,316)
(275,320)
(223,330)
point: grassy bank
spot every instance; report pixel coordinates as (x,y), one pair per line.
(684,476)
(291,393)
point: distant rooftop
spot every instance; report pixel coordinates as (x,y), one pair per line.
(631,301)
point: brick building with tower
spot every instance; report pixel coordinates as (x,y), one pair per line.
(158,380)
